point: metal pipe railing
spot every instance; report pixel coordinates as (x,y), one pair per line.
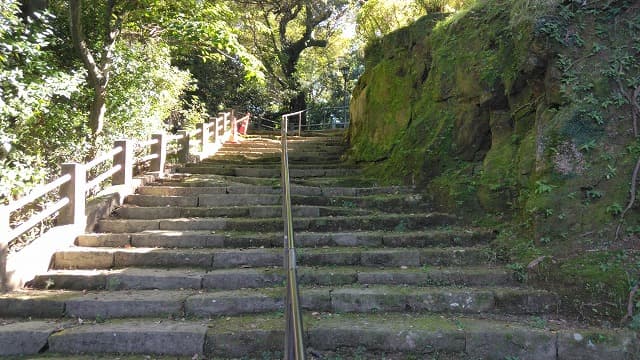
(293,341)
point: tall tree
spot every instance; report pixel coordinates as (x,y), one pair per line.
(190,26)
(99,70)
(284,30)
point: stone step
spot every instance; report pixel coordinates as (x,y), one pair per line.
(393,202)
(384,222)
(209,180)
(397,336)
(223,165)
(265,277)
(269,160)
(263,172)
(209,239)
(293,158)
(206,304)
(261,211)
(315,149)
(294,148)
(271,190)
(109,258)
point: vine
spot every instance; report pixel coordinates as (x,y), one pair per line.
(635,113)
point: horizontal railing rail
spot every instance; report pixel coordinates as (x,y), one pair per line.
(73,186)
(316,119)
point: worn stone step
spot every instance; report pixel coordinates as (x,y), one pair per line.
(318,151)
(212,180)
(218,239)
(263,172)
(270,160)
(386,203)
(383,202)
(261,211)
(107,258)
(315,150)
(244,165)
(293,157)
(273,190)
(380,222)
(161,336)
(102,305)
(293,145)
(233,279)
(398,336)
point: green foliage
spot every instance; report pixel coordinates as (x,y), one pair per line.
(519,271)
(32,94)
(542,187)
(376,18)
(204,29)
(144,91)
(614,209)
(538,322)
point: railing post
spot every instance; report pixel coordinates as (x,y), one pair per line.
(204,140)
(160,149)
(125,160)
(224,116)
(216,129)
(234,129)
(5,228)
(183,153)
(75,191)
(232,118)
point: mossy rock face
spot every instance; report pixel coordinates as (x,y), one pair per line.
(511,110)
(519,93)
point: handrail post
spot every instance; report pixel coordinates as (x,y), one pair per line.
(300,124)
(5,228)
(160,149)
(204,137)
(4,220)
(125,159)
(184,143)
(232,117)
(234,128)
(225,116)
(214,131)
(74,190)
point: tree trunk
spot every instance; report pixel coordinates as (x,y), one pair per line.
(98,72)
(30,7)
(297,103)
(98,109)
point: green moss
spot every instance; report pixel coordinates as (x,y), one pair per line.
(598,276)
(497,103)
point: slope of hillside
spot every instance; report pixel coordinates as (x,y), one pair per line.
(523,115)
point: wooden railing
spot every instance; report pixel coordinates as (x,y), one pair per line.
(74,185)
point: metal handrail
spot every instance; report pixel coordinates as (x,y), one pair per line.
(293,341)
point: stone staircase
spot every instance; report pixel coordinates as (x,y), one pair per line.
(191,266)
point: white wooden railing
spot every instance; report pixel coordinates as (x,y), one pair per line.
(74,186)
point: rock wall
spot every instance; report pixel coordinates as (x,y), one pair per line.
(513,112)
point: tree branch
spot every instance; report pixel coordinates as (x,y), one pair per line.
(111,35)
(630,303)
(96,77)
(632,200)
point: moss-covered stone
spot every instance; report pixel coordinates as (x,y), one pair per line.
(512,110)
